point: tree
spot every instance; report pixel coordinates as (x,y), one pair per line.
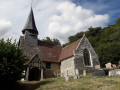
(73,38)
(52,41)
(11,62)
(109,53)
(105,41)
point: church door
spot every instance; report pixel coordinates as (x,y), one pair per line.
(34,74)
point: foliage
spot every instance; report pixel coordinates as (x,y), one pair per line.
(11,62)
(74,38)
(105,41)
(52,41)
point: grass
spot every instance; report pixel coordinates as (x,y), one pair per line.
(84,83)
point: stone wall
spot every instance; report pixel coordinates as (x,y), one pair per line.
(30,39)
(67,64)
(79,57)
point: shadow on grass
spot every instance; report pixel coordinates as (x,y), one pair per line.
(46,82)
(29,85)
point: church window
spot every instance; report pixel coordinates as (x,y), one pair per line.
(86,57)
(48,65)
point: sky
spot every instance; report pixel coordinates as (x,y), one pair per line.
(57,19)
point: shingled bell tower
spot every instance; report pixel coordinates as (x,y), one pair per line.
(30,31)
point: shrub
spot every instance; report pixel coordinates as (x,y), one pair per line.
(11,62)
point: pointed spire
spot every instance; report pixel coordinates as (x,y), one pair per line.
(30,24)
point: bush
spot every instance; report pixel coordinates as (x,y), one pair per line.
(11,62)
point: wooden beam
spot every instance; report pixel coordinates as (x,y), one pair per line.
(41,73)
(27,74)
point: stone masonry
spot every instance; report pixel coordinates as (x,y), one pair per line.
(67,64)
(79,57)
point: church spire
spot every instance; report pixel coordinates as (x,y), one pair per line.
(30,24)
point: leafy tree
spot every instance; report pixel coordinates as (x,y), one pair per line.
(109,53)
(74,38)
(105,41)
(52,41)
(11,62)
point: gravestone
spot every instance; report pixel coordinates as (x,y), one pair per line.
(97,66)
(58,73)
(55,74)
(84,72)
(99,73)
(67,76)
(106,70)
(108,65)
(115,72)
(77,75)
(114,66)
(112,73)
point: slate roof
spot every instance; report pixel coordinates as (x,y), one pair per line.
(48,52)
(30,24)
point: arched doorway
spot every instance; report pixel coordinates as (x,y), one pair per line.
(34,74)
(86,57)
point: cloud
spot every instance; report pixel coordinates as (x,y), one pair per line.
(72,19)
(55,18)
(5,26)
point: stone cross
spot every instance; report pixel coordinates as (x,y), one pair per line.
(67,76)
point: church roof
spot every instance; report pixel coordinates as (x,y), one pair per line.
(48,52)
(68,51)
(30,24)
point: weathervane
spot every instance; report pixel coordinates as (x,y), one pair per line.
(31,2)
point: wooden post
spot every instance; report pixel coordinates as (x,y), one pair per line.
(41,73)
(27,73)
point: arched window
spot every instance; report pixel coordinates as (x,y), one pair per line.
(86,57)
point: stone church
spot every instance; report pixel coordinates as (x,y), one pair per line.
(45,60)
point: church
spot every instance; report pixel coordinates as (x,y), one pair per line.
(46,60)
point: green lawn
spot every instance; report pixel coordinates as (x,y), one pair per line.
(84,83)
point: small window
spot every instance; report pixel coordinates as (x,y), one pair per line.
(48,65)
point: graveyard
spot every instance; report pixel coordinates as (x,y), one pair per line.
(87,82)
(98,80)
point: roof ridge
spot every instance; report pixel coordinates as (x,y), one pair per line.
(71,44)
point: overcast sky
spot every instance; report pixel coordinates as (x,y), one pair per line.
(56,18)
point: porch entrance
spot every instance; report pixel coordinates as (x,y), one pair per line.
(34,74)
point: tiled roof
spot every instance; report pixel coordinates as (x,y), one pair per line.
(48,52)
(68,51)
